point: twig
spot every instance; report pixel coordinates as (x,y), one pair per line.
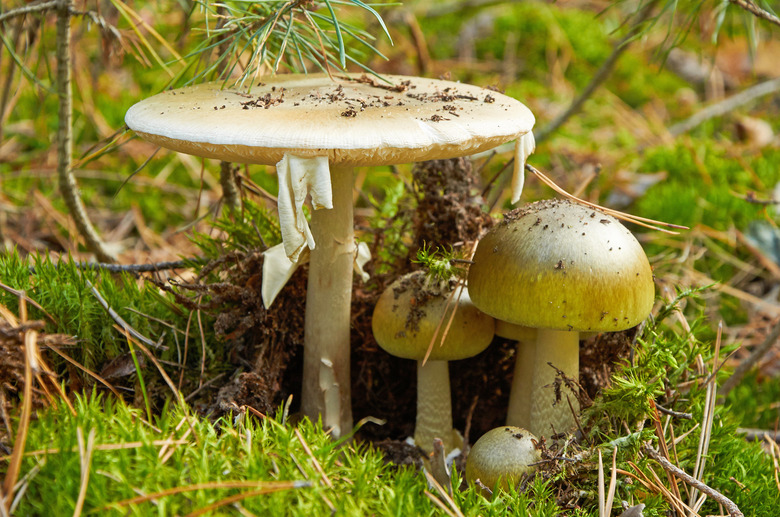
(135,268)
(730,506)
(68,187)
(28,9)
(747,364)
(757,11)
(753,435)
(726,105)
(204,386)
(675,414)
(601,75)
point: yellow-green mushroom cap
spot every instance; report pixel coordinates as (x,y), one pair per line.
(408,312)
(561,265)
(502,455)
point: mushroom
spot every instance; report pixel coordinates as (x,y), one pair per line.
(315,130)
(406,319)
(562,268)
(501,457)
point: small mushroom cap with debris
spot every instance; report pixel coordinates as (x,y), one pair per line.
(409,311)
(502,455)
(560,265)
(353,119)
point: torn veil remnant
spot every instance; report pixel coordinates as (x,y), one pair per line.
(312,127)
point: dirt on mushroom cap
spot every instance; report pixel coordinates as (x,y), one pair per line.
(409,311)
(560,265)
(351,120)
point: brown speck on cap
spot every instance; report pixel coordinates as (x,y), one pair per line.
(304,117)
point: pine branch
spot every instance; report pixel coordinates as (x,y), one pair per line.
(67,182)
(726,105)
(30,8)
(757,11)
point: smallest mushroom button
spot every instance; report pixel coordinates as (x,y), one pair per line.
(501,457)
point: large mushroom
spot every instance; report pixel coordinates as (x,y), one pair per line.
(315,129)
(410,320)
(562,268)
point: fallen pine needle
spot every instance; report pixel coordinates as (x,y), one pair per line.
(85,458)
(264,487)
(314,461)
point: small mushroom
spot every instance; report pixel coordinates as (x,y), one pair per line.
(501,457)
(316,130)
(564,269)
(405,320)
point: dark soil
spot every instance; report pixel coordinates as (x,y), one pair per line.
(266,346)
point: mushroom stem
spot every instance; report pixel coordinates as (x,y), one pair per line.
(434,405)
(562,349)
(519,408)
(326,363)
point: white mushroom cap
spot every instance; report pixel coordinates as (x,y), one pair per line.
(354,120)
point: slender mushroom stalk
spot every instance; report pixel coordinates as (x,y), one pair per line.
(315,130)
(326,378)
(563,268)
(405,321)
(519,408)
(434,405)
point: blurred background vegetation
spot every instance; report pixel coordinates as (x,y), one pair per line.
(642,141)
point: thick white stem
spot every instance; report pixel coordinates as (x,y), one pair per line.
(562,349)
(326,356)
(434,405)
(519,409)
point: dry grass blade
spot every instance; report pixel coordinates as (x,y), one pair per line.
(14,465)
(264,487)
(664,449)
(454,295)
(774,451)
(84,369)
(325,479)
(85,458)
(641,221)
(435,500)
(653,486)
(235,498)
(150,355)
(612,484)
(105,447)
(707,421)
(443,493)
(459,287)
(602,502)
